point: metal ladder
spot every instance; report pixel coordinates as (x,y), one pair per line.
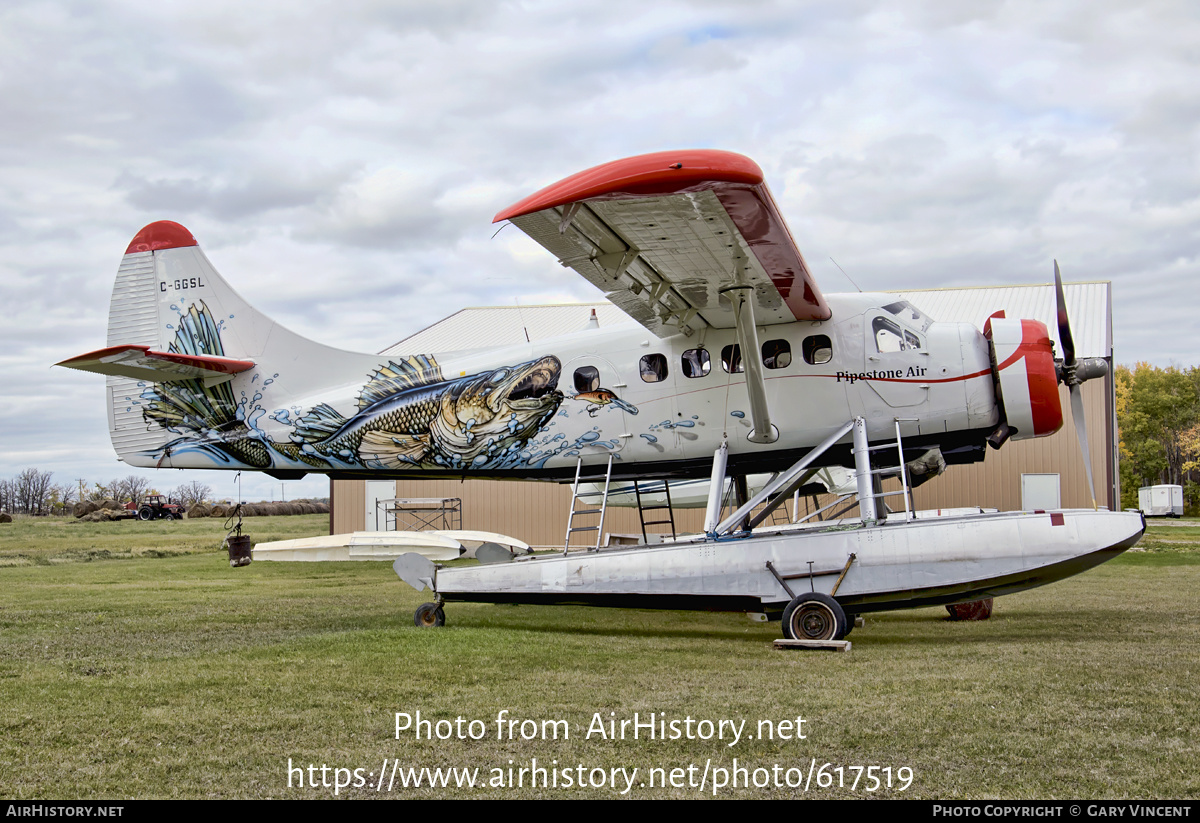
(670,521)
(575,496)
(904,490)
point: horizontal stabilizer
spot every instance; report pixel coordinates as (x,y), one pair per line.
(360,546)
(143,363)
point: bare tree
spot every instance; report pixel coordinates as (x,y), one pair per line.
(66,493)
(191,493)
(32,491)
(136,488)
(61,496)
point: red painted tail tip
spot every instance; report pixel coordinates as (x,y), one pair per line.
(163,234)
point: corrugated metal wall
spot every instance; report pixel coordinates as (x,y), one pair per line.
(533,512)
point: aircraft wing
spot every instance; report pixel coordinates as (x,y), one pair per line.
(663,234)
(143,363)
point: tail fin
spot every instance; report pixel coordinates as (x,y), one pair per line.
(189,363)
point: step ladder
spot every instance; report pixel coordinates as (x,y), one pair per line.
(876,489)
(642,509)
(587,512)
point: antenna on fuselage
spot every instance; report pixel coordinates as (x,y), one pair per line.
(848,277)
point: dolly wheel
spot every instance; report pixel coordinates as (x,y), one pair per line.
(814,616)
(429,615)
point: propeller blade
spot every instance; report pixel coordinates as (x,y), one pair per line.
(1081,433)
(1064,325)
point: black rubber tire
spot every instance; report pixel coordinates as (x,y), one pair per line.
(429,615)
(145,513)
(169,516)
(814,616)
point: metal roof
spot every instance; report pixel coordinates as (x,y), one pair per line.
(1088,305)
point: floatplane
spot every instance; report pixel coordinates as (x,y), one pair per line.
(738,364)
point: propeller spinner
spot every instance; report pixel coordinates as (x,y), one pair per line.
(1073,373)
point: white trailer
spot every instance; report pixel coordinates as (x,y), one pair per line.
(1161,501)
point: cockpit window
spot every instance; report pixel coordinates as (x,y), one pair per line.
(910,315)
(889,337)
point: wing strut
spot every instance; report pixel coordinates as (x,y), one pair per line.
(742,298)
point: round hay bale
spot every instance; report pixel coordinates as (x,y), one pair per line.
(217,511)
(86,507)
(199,510)
(5,517)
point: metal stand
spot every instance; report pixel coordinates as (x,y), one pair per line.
(420,513)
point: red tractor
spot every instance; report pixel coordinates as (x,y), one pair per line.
(157,506)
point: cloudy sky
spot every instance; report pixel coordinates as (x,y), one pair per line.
(340,163)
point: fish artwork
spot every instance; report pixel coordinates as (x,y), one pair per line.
(409,416)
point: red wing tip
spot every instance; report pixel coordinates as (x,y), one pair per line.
(163,234)
(662,172)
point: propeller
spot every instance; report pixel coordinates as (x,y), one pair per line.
(1073,373)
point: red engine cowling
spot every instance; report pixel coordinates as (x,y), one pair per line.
(1026,381)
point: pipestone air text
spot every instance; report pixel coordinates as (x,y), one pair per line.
(880,374)
(652,726)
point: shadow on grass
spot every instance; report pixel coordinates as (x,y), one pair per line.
(919,628)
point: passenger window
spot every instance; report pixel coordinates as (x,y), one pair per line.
(777,354)
(696,363)
(731,359)
(817,350)
(587,378)
(653,368)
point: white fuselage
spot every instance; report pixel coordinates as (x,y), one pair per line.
(660,404)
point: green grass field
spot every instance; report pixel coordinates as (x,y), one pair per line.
(135,662)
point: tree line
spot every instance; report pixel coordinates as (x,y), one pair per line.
(35,492)
(1158,417)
